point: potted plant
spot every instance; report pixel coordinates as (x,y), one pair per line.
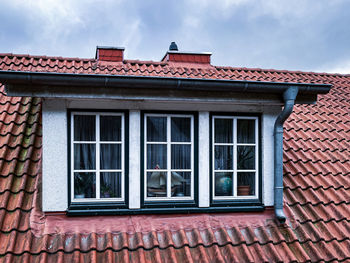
(79,187)
(106,191)
(243,190)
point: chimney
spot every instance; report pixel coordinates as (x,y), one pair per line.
(112,54)
(173,55)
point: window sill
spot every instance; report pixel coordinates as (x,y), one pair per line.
(92,206)
(171,210)
(236,202)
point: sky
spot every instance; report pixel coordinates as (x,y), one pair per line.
(307,35)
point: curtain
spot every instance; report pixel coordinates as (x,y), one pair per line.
(110,128)
(180,129)
(84,128)
(245,131)
(110,185)
(223,130)
(110,156)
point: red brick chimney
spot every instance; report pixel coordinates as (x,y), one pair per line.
(173,55)
(113,54)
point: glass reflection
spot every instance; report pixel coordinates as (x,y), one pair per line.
(156,129)
(246,157)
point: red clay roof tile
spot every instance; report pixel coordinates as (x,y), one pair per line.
(316,180)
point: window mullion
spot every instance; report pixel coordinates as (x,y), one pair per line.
(168,157)
(97,156)
(235,158)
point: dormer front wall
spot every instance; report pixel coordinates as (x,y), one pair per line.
(56,170)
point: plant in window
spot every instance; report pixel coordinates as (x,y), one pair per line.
(79,189)
(106,191)
(235,154)
(97,156)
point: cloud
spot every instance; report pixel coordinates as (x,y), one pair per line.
(341,68)
(299,34)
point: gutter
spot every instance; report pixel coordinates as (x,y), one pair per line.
(289,97)
(47,79)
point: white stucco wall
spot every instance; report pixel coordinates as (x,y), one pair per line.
(55,185)
(203,159)
(267,161)
(134,159)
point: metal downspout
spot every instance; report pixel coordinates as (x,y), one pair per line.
(289,97)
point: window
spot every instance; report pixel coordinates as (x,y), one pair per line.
(97,157)
(234,157)
(168,157)
(168,160)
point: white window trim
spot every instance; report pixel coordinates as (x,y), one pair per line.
(97,171)
(168,170)
(234,144)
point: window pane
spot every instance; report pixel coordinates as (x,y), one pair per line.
(223,130)
(180,184)
(246,131)
(156,156)
(245,184)
(110,128)
(223,157)
(84,128)
(246,157)
(156,129)
(156,184)
(223,184)
(84,156)
(84,185)
(111,185)
(180,129)
(180,156)
(110,157)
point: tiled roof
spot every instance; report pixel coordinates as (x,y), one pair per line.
(316,180)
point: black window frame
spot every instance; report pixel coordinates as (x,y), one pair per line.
(235,202)
(170,203)
(170,207)
(112,206)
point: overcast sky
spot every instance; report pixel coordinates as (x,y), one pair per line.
(295,35)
